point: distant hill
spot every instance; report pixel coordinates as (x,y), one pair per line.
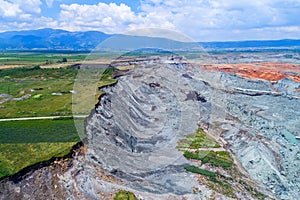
(51,39)
(55,39)
(252,44)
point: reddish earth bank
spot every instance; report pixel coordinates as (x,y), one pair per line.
(270,71)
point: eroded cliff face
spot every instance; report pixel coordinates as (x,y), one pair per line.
(132,135)
(134,131)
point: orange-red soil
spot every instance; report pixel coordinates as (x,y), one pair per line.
(270,71)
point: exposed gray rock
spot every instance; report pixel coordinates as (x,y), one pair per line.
(135,128)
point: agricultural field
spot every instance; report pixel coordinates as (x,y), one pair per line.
(31,90)
(28,92)
(35,91)
(25,59)
(24,143)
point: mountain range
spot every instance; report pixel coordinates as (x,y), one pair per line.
(55,39)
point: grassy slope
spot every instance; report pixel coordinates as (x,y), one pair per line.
(227,185)
(198,140)
(24,143)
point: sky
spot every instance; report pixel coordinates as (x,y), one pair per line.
(200,20)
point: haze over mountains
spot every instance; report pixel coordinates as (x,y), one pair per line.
(55,39)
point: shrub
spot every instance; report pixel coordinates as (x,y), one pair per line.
(124,195)
(218,159)
(197,170)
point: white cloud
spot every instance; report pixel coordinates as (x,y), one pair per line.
(28,22)
(15,8)
(21,14)
(201,20)
(210,14)
(109,18)
(8,9)
(28,6)
(49,3)
(211,19)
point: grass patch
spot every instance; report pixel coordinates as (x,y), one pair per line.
(37,131)
(15,157)
(49,90)
(40,84)
(41,103)
(197,170)
(124,195)
(217,181)
(217,159)
(24,143)
(200,139)
(254,192)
